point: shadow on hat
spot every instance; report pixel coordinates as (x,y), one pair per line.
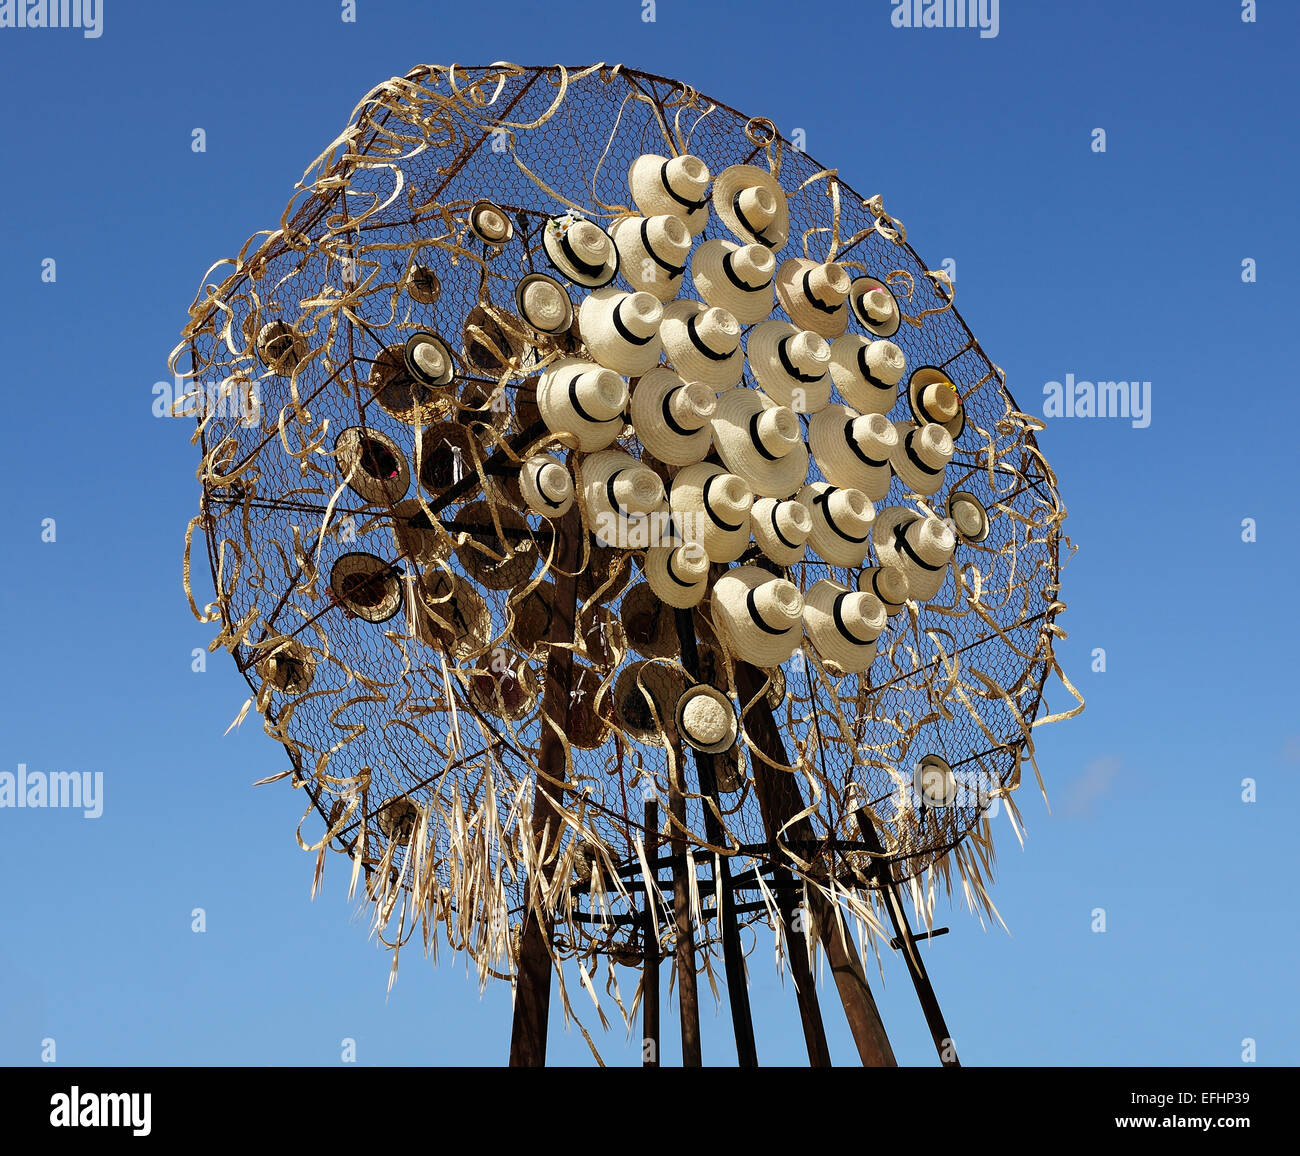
(492,340)
(490,223)
(737,278)
(814,295)
(544,306)
(448,614)
(843,625)
(397,391)
(761,441)
(546,486)
(649,624)
(678,575)
(760,617)
(621,330)
(366,586)
(968,516)
(372,464)
(853,450)
(841,522)
(706,720)
(887,584)
(752,204)
(791,365)
(498,559)
(281,348)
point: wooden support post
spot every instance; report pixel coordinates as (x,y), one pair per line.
(688,995)
(650,957)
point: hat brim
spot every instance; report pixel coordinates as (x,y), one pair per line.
(925,375)
(863,285)
(545,331)
(565,267)
(966,496)
(731,435)
(729,183)
(366,586)
(356,461)
(720,746)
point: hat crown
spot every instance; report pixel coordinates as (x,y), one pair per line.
(430,357)
(668,235)
(602,392)
(706,720)
(778,430)
(875,434)
(754,264)
(878,302)
(690,563)
(931,539)
(864,614)
(889,582)
(808,351)
(552,478)
(717,329)
(939,399)
(757,206)
(638,491)
(692,405)
(687,175)
(933,444)
(590,242)
(967,515)
(729,495)
(885,361)
(829,283)
(849,509)
(778,603)
(545,302)
(794,521)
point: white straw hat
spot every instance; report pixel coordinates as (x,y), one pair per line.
(919,546)
(922,456)
(853,449)
(287,664)
(367,586)
(843,625)
(867,372)
(781,529)
(652,253)
(678,575)
(875,306)
(935,782)
(491,223)
(280,347)
(706,720)
(761,441)
(759,616)
(583,400)
(752,205)
(737,278)
(581,250)
(429,359)
(702,343)
(677,185)
(886,583)
(546,485)
(372,464)
(968,516)
(934,398)
(814,295)
(544,304)
(621,330)
(673,420)
(841,522)
(621,496)
(711,507)
(791,365)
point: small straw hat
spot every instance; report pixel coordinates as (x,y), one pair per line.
(638,686)
(781,529)
(920,547)
(428,359)
(921,456)
(372,464)
(843,625)
(280,347)
(677,186)
(397,392)
(580,250)
(396,819)
(366,586)
(702,343)
(706,720)
(934,398)
(886,583)
(852,450)
(583,400)
(446,456)
(450,615)
(711,507)
(532,613)
(841,522)
(621,495)
(935,781)
(737,278)
(621,330)
(288,665)
(875,306)
(814,295)
(791,365)
(546,485)
(423,285)
(503,684)
(968,515)
(673,420)
(496,561)
(761,441)
(599,636)
(752,205)
(652,253)
(492,340)
(544,304)
(491,223)
(678,575)
(760,617)
(649,624)
(867,372)
(588,726)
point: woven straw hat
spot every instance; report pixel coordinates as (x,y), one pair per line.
(843,625)
(673,420)
(599,637)
(372,464)
(935,782)
(397,392)
(922,456)
(503,684)
(449,614)
(781,529)
(652,253)
(397,819)
(497,561)
(582,400)
(678,575)
(920,547)
(288,665)
(581,250)
(677,186)
(968,516)
(544,304)
(366,586)
(934,398)
(423,285)
(752,205)
(867,372)
(706,720)
(621,330)
(814,295)
(875,306)
(621,496)
(760,617)
(638,686)
(791,365)
(428,359)
(546,485)
(491,223)
(606,574)
(492,339)
(737,278)
(587,727)
(702,343)
(761,441)
(280,347)
(414,532)
(711,507)
(649,624)
(852,449)
(446,456)
(887,584)
(532,613)
(841,522)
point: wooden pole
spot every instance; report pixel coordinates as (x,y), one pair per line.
(688,995)
(650,964)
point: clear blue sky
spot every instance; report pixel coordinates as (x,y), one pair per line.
(1117,265)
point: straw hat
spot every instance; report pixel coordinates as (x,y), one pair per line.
(428,359)
(935,782)
(544,304)
(711,507)
(843,624)
(968,516)
(678,575)
(867,372)
(760,617)
(921,456)
(280,347)
(396,819)
(372,464)
(397,392)
(492,340)
(706,720)
(676,186)
(532,612)
(875,306)
(761,441)
(497,561)
(852,450)
(919,546)
(599,636)
(546,485)
(423,285)
(490,222)
(649,624)
(449,614)
(814,295)
(366,586)
(752,205)
(781,529)
(791,365)
(673,420)
(503,684)
(414,532)
(702,343)
(583,400)
(587,726)
(652,253)
(621,495)
(638,686)
(287,665)
(621,330)
(581,250)
(446,456)
(841,522)
(934,398)
(737,278)
(606,575)
(887,584)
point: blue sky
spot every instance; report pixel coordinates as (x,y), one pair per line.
(1124,264)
